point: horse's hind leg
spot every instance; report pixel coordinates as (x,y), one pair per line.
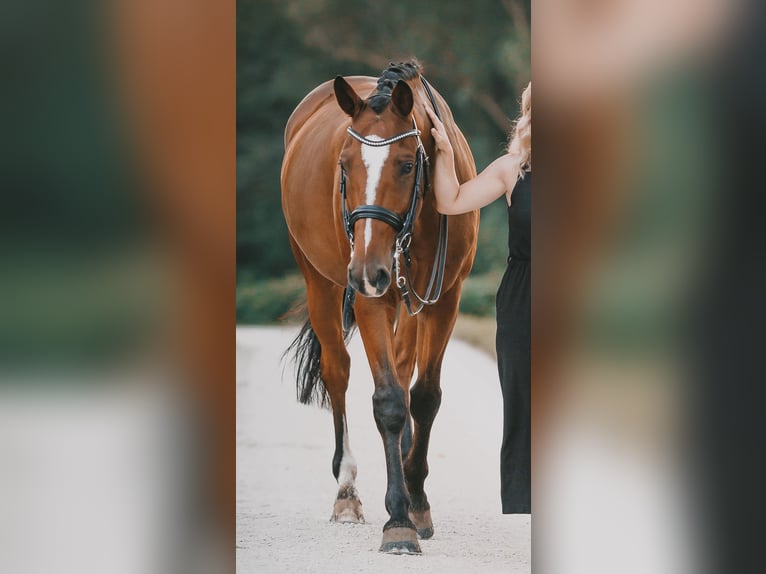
(434,329)
(348,505)
(324,304)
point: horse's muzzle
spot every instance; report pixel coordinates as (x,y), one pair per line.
(371,281)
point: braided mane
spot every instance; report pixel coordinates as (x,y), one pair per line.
(388,80)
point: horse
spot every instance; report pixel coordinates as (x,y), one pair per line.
(360,215)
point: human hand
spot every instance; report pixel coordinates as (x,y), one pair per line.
(439,133)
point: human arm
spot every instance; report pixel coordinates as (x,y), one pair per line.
(452,198)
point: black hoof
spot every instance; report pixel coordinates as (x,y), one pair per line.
(400,540)
(402,547)
(423,523)
(425,533)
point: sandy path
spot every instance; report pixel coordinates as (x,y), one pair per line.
(285,487)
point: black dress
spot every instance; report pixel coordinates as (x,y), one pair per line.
(513,355)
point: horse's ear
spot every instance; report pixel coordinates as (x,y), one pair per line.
(401,99)
(348,100)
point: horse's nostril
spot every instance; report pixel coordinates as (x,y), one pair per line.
(354,281)
(382,279)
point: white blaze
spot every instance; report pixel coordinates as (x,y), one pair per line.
(373,158)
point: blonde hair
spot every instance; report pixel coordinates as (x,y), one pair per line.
(520,144)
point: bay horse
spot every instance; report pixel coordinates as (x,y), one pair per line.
(359,213)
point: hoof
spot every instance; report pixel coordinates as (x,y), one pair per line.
(347,510)
(423,524)
(400,540)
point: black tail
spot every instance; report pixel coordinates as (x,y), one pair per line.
(306,352)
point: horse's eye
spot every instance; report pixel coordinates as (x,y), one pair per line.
(407,168)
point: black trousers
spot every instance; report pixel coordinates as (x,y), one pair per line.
(513,362)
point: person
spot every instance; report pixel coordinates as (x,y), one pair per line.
(509,176)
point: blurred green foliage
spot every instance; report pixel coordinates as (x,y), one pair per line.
(476,54)
(269,300)
(478,295)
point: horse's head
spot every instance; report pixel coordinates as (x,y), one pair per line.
(379,171)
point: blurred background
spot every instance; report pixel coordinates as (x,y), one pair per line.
(123,250)
(476,54)
(647,203)
(117,275)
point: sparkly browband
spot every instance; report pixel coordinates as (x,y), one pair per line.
(380,143)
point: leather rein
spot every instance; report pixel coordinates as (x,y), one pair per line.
(402,225)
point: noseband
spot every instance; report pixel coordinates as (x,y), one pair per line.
(402,225)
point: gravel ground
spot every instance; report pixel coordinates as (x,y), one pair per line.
(285,487)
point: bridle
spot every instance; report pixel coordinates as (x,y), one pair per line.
(403,225)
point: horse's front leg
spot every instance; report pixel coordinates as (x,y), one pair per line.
(405,346)
(434,329)
(375,318)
